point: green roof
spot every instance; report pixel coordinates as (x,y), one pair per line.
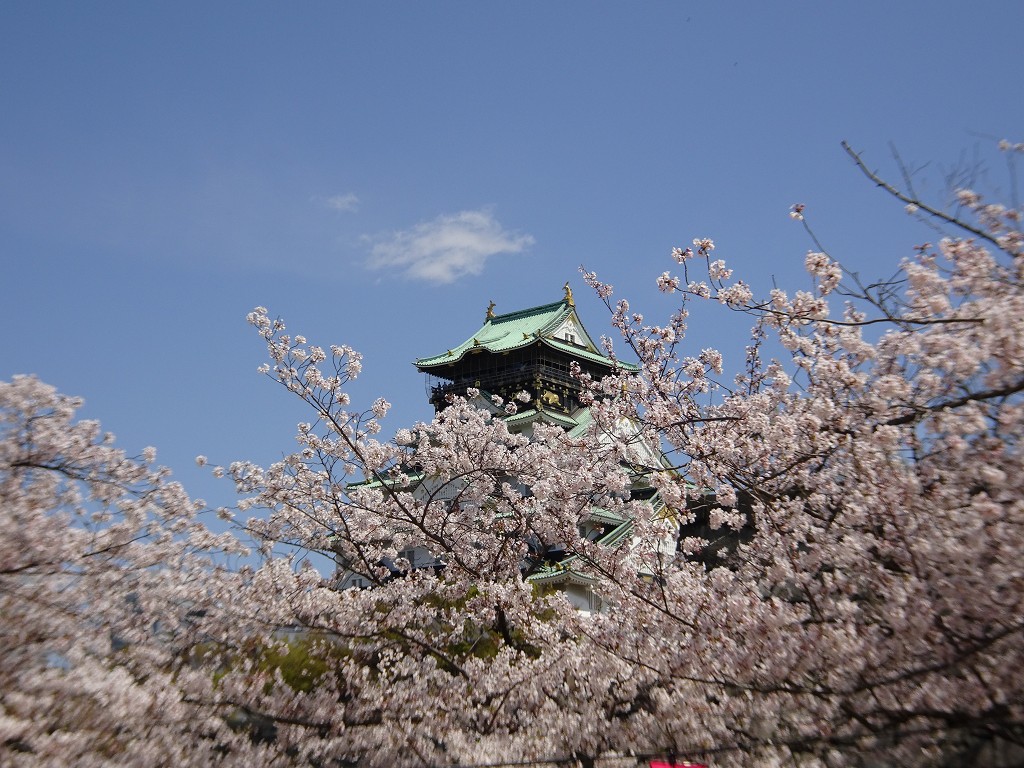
(529,416)
(516,330)
(583,420)
(560,576)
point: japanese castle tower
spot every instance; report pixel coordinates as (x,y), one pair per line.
(532,350)
(529,350)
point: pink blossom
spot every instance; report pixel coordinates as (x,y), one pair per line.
(667,283)
(682,255)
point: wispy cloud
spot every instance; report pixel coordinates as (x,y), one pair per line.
(447,248)
(345,203)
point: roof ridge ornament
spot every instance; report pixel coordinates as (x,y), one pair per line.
(568,295)
(490,311)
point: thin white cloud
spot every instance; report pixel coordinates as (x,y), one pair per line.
(344,203)
(447,248)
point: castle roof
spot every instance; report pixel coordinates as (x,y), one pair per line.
(554,325)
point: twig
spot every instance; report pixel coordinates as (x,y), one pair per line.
(956,222)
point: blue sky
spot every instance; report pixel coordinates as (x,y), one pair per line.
(375,173)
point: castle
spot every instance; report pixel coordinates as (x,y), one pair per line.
(532,351)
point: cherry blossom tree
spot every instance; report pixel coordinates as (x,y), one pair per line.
(875,609)
(105,578)
(866,490)
(831,576)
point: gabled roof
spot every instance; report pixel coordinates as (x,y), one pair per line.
(522,418)
(584,418)
(562,572)
(558,576)
(516,330)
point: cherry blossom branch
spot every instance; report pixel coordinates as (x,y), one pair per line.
(917,203)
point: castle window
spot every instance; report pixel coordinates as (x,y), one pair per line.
(410,555)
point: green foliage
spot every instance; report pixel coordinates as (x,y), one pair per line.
(301,663)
